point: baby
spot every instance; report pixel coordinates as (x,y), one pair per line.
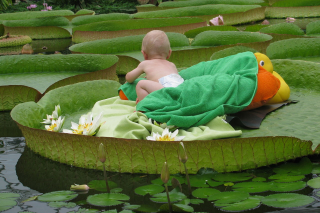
(159,72)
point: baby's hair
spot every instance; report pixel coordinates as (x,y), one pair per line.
(156,42)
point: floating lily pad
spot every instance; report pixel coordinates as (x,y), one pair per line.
(162,197)
(214,183)
(158,181)
(259,179)
(149,189)
(287,200)
(232,177)
(315,169)
(200,180)
(204,192)
(57,196)
(194,32)
(252,187)
(192,201)
(314,183)
(223,198)
(283,28)
(283,178)
(8,200)
(248,204)
(62,204)
(287,187)
(304,167)
(100,185)
(127,206)
(176,208)
(231,51)
(107,199)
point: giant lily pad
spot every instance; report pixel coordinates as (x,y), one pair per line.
(80,20)
(14,41)
(37,22)
(296,12)
(283,28)
(295,3)
(46,72)
(120,28)
(34,14)
(206,2)
(313,28)
(287,200)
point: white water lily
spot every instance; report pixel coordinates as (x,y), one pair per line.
(87,125)
(48,120)
(55,125)
(166,136)
(55,115)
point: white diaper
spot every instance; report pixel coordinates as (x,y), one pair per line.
(172,80)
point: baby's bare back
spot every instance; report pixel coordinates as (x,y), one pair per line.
(158,68)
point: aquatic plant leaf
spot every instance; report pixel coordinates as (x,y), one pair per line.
(83,210)
(314,183)
(80,20)
(203,10)
(284,178)
(162,197)
(33,14)
(115,190)
(170,4)
(287,200)
(9,195)
(30,199)
(194,32)
(295,3)
(315,168)
(255,28)
(204,192)
(252,187)
(248,204)
(228,184)
(42,32)
(228,197)
(283,28)
(232,177)
(216,38)
(231,51)
(304,167)
(184,208)
(192,201)
(214,183)
(15,41)
(100,185)
(287,187)
(259,179)
(296,12)
(57,196)
(62,204)
(6,204)
(158,181)
(313,28)
(37,22)
(131,207)
(149,189)
(110,211)
(107,199)
(122,28)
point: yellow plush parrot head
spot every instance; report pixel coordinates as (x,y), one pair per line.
(264,61)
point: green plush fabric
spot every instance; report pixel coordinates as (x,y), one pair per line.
(121,121)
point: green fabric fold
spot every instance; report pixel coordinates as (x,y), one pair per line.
(211,89)
(122,121)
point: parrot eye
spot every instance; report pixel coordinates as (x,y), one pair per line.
(262,63)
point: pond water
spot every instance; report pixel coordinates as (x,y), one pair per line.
(28,174)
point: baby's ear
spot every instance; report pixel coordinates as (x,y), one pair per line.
(168,56)
(144,55)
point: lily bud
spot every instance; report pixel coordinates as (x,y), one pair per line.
(77,187)
(102,153)
(165,175)
(182,153)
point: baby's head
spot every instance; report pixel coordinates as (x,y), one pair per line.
(155,44)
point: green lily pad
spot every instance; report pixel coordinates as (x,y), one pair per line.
(314,183)
(287,187)
(107,199)
(57,196)
(231,51)
(194,32)
(204,192)
(130,207)
(176,208)
(8,200)
(158,181)
(248,204)
(287,200)
(200,180)
(284,178)
(100,185)
(283,28)
(252,187)
(116,190)
(315,169)
(214,183)
(62,204)
(223,198)
(232,177)
(162,197)
(259,179)
(149,189)
(304,167)
(191,201)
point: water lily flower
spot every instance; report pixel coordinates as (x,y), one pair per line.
(48,120)
(56,113)
(45,5)
(217,21)
(183,157)
(166,136)
(77,187)
(289,19)
(55,125)
(49,8)
(102,153)
(87,125)
(165,175)
(33,6)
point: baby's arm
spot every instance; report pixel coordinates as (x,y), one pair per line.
(134,74)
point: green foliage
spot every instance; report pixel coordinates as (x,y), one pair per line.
(231,51)
(107,199)
(295,12)
(283,28)
(34,14)
(57,196)
(14,41)
(4,4)
(287,200)
(216,38)
(84,11)
(37,22)
(8,200)
(80,20)
(196,11)
(248,204)
(192,33)
(296,3)
(313,28)
(206,2)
